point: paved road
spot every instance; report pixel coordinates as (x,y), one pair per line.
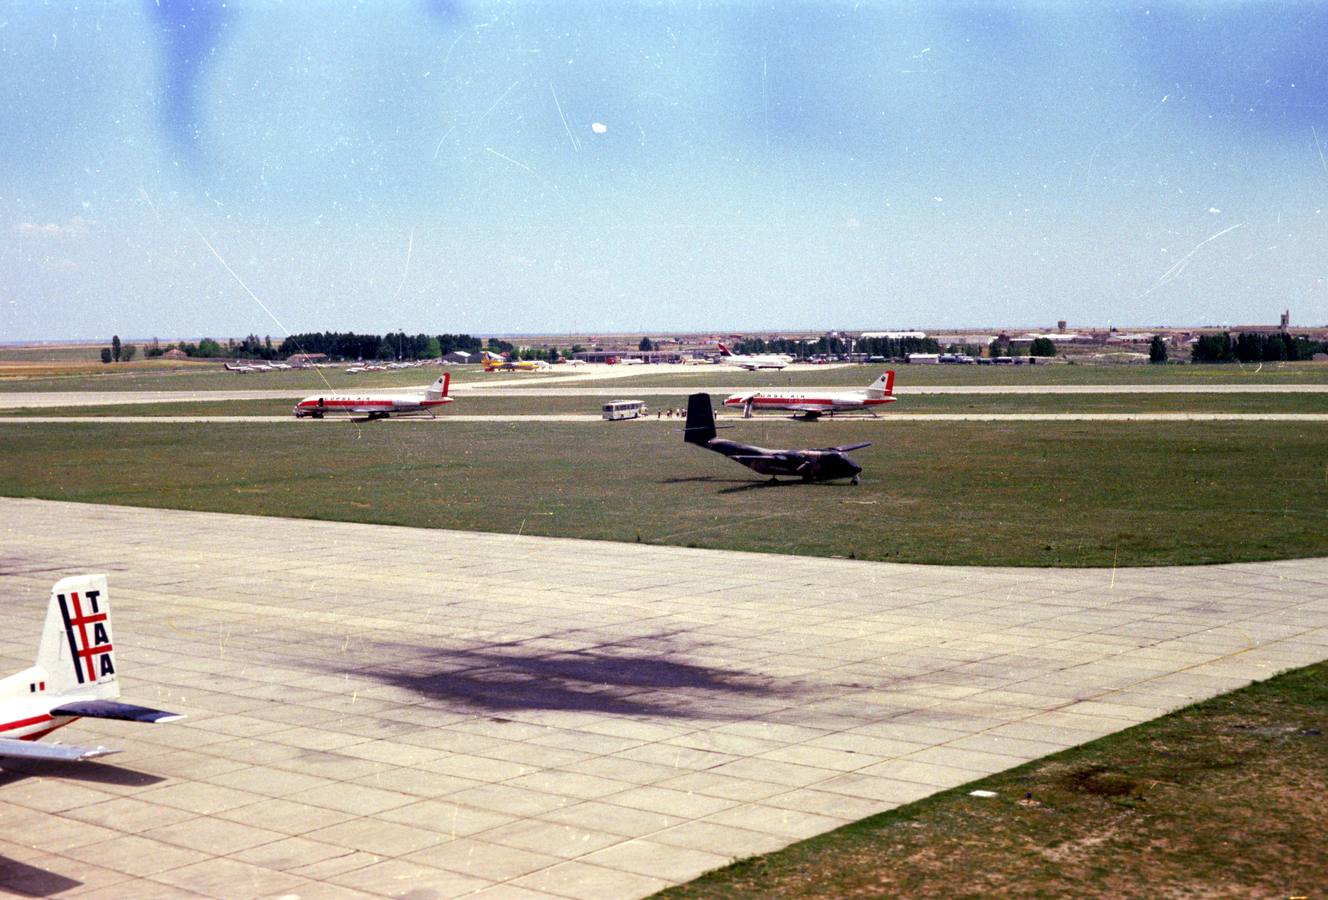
(510,388)
(884,420)
(378,710)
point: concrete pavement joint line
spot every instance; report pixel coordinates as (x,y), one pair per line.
(583,718)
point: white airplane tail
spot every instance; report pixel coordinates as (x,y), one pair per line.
(883,386)
(76,652)
(438,389)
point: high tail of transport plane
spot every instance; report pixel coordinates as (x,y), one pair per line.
(75,677)
(700,427)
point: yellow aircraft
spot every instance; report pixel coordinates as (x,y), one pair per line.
(495,363)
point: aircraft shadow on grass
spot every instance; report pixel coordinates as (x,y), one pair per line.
(616,680)
(747,484)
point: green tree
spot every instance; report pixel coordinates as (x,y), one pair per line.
(115,347)
(1042,346)
(1157,350)
(646,344)
(998,348)
(127,352)
(1213,348)
(207,347)
(106,355)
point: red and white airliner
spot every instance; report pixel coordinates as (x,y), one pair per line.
(813,404)
(74,677)
(377,406)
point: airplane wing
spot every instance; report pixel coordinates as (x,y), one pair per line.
(113,709)
(852,447)
(35,750)
(805,407)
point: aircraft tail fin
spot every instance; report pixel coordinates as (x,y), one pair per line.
(438,389)
(724,351)
(700,427)
(76,651)
(883,386)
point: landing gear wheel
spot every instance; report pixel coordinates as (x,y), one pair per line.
(856,480)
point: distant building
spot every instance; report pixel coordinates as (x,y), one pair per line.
(894,335)
(175,353)
(926,359)
(461,357)
(1286,320)
(304,359)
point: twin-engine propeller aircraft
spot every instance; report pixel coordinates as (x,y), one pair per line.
(377,406)
(75,677)
(812,404)
(752,363)
(810,465)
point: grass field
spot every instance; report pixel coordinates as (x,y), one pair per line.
(1218,800)
(981,493)
(474,404)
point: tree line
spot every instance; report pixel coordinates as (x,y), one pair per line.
(1255,346)
(837,346)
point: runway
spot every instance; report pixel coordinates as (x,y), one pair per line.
(378,710)
(885,419)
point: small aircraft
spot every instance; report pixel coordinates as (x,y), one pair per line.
(377,406)
(812,405)
(751,363)
(74,677)
(824,464)
(238,368)
(495,363)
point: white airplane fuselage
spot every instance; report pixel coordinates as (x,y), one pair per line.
(804,402)
(376,406)
(814,403)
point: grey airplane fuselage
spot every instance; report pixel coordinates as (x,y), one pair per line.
(809,465)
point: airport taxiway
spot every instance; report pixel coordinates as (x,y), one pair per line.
(524,388)
(884,419)
(381,711)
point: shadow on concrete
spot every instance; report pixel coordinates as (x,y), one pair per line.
(619,680)
(30,881)
(13,770)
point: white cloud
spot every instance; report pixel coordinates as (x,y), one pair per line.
(75,227)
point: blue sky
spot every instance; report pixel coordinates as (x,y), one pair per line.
(595,167)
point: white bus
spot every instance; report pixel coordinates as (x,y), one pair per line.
(624,409)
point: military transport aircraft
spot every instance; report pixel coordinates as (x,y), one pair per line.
(377,406)
(74,677)
(751,363)
(812,404)
(810,465)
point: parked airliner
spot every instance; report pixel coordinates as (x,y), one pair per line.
(377,406)
(812,404)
